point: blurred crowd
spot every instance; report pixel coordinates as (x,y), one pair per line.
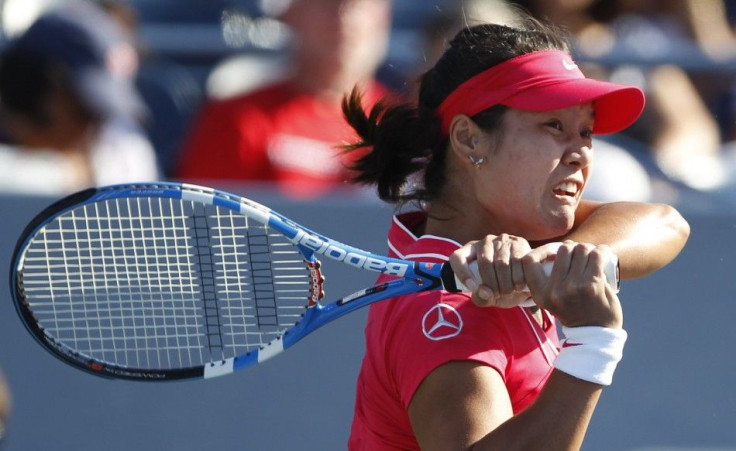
(86,100)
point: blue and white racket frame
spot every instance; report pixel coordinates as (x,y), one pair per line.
(410,277)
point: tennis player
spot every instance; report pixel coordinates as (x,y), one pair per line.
(497,153)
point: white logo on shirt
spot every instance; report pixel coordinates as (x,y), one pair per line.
(569,65)
(304,155)
(441,321)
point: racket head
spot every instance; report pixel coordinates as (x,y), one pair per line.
(161,281)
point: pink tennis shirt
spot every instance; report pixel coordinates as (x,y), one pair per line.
(409,336)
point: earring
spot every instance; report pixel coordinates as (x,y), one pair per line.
(477,162)
(475,141)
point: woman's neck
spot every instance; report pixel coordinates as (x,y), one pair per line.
(456,222)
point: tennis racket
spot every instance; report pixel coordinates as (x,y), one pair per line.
(171,281)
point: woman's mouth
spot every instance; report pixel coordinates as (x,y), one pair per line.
(566,189)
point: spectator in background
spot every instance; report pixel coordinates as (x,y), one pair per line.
(170,91)
(288,131)
(710,25)
(677,124)
(68,108)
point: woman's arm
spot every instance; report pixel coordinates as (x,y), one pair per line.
(645,237)
(465,405)
(457,404)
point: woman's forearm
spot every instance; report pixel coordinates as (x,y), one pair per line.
(645,237)
(558,419)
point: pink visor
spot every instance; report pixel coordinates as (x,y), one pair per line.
(544,81)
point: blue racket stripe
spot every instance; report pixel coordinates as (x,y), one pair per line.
(133,227)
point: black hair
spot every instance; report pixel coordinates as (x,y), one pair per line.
(28,78)
(404,138)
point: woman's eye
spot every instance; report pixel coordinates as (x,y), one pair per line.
(586,133)
(557,125)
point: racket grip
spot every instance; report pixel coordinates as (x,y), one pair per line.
(611,271)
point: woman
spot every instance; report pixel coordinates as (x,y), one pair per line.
(497,152)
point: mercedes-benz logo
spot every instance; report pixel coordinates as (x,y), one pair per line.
(441,321)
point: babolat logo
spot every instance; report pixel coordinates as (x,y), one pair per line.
(323,247)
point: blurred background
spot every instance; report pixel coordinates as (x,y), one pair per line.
(108,91)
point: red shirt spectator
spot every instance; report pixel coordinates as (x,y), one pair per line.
(274,134)
(289,131)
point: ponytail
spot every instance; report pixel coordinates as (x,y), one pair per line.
(400,141)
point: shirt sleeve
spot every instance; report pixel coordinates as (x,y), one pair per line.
(434,328)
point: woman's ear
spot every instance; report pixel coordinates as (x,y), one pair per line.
(464,137)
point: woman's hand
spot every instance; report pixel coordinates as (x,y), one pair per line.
(500,269)
(576,291)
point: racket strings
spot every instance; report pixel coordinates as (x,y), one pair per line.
(162,283)
(207,279)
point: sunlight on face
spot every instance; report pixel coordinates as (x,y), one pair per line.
(537,169)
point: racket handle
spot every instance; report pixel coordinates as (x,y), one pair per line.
(611,271)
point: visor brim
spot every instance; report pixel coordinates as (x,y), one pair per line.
(616,106)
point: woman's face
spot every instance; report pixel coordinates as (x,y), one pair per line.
(537,165)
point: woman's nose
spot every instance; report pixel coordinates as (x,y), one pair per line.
(579,153)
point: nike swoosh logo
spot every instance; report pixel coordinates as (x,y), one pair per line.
(567,344)
(569,65)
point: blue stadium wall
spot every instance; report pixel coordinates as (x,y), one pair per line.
(674,390)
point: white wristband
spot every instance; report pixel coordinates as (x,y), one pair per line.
(591,353)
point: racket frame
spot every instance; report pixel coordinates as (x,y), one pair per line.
(410,277)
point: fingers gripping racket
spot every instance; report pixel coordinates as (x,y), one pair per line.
(170,281)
